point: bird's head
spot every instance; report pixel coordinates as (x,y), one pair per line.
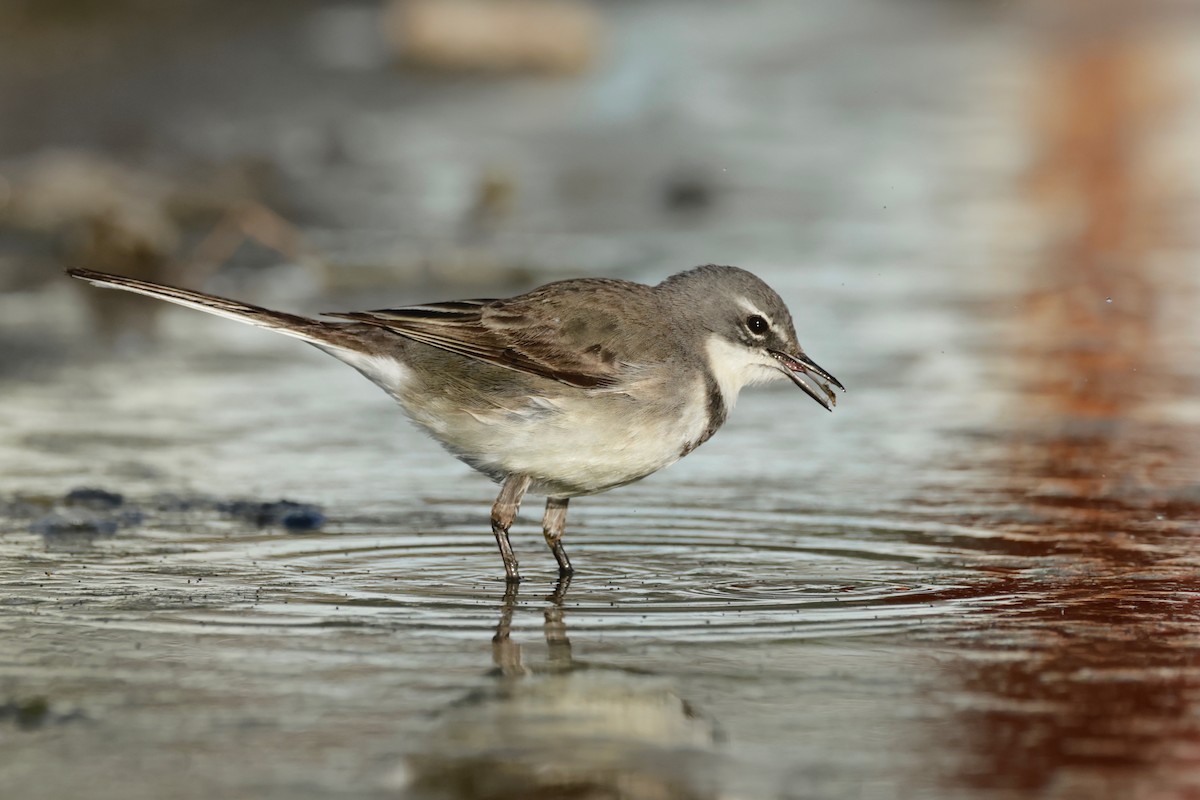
(747,333)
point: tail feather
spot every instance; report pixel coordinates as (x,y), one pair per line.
(323,334)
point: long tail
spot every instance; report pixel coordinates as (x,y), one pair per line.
(322,334)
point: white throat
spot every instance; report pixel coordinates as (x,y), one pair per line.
(734,366)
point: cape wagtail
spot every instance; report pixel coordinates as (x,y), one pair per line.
(574,388)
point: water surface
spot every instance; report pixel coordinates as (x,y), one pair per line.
(976,579)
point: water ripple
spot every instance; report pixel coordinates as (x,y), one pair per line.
(687,574)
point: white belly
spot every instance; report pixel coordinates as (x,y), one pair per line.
(573,444)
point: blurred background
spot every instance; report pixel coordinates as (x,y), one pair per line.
(229,568)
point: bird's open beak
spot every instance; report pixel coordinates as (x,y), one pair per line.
(801,369)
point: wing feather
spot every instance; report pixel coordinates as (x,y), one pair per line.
(562,335)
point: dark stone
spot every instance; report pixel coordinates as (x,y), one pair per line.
(285,513)
(97,499)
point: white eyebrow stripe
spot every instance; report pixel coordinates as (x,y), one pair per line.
(750,308)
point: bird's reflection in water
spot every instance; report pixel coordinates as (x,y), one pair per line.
(565,729)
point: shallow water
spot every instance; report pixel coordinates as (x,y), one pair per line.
(975,579)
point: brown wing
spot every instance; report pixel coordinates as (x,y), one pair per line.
(571,336)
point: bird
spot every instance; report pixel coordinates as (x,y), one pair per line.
(573,388)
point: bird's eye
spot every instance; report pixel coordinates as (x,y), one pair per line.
(756,325)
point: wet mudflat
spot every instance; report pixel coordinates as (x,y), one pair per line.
(975,579)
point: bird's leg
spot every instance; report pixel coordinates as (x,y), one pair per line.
(553,525)
(504,511)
